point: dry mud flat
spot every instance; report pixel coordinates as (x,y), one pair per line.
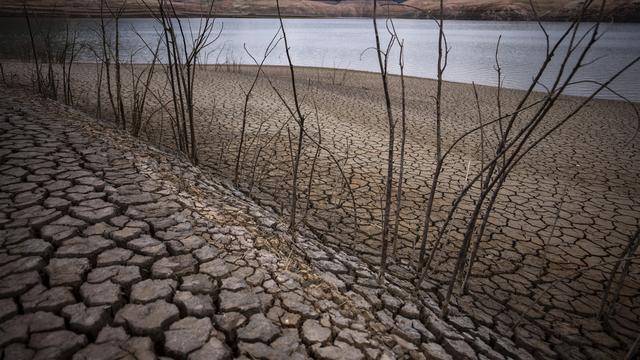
(112,249)
(589,169)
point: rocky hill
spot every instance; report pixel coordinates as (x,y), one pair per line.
(617,10)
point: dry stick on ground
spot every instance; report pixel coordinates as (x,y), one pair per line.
(106,58)
(313,163)
(633,350)
(119,96)
(2,75)
(498,70)
(334,159)
(47,84)
(99,74)
(424,268)
(118,103)
(258,134)
(487,211)
(34,51)
(477,244)
(502,149)
(52,83)
(164,105)
(174,118)
(493,198)
(182,60)
(525,135)
(551,232)
(443,54)
(247,96)
(607,306)
(140,90)
(475,93)
(403,138)
(69,49)
(571,277)
(465,190)
(261,148)
(390,145)
(299,118)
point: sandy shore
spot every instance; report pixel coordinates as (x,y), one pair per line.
(589,169)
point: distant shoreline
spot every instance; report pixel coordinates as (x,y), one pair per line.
(365,73)
(491,10)
(634,19)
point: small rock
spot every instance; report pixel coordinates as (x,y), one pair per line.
(14,330)
(344,352)
(18,352)
(217,268)
(40,298)
(186,335)
(214,349)
(198,284)
(118,274)
(459,349)
(295,303)
(234,284)
(112,334)
(410,311)
(206,253)
(259,329)
(86,320)
(245,302)
(105,293)
(8,308)
(260,351)
(67,272)
(435,351)
(45,321)
(230,321)
(116,256)
(151,290)
(149,319)
(59,344)
(80,247)
(194,305)
(148,246)
(17,284)
(313,332)
(174,266)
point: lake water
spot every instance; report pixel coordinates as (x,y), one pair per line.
(346,43)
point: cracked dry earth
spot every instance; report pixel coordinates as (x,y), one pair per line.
(589,169)
(112,249)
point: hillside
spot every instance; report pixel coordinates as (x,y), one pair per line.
(617,10)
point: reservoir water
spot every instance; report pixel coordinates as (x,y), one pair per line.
(346,43)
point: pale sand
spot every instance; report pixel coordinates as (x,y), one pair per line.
(589,168)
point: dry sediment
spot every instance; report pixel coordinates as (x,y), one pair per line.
(589,169)
(114,249)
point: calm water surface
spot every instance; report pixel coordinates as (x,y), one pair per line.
(346,43)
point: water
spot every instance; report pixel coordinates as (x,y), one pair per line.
(346,43)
